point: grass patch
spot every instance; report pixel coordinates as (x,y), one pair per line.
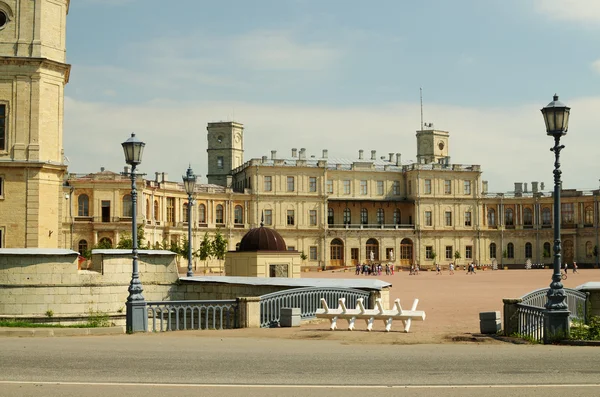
(27,324)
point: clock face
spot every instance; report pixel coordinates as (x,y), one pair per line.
(441,145)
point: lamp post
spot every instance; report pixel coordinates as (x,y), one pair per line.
(556,317)
(189,181)
(136,317)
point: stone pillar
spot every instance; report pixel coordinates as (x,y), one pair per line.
(511,321)
(249,312)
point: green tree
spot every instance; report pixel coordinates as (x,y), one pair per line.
(205,251)
(456,255)
(104,244)
(219,247)
(125,242)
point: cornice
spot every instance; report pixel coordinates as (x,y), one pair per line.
(39,62)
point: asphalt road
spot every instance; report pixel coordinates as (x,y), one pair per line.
(189,364)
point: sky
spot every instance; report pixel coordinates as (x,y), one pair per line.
(341,75)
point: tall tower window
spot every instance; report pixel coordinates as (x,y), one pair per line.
(83,205)
(220,162)
(2,115)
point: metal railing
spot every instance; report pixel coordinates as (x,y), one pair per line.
(576,301)
(531,322)
(370,226)
(307,299)
(189,315)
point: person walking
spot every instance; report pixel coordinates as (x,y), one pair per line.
(575,267)
(451,269)
(566,265)
(438,269)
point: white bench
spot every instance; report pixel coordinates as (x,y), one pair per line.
(370,315)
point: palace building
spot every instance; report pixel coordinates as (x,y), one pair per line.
(337,211)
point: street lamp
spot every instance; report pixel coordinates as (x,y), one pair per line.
(136,317)
(189,181)
(556,317)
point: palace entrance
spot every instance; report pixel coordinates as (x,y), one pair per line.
(406,252)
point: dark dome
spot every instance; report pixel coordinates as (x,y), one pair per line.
(262,239)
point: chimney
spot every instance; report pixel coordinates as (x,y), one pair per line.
(157,177)
(165,177)
(525,187)
(391,157)
(303,153)
(273,154)
(294,152)
(534,187)
(101,169)
(373,155)
(264,159)
(325,153)
(360,154)
(484,187)
(398,159)
(518,189)
(542,186)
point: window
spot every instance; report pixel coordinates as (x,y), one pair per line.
(220,162)
(567,212)
(268,183)
(127,206)
(219,214)
(491,218)
(380,188)
(312,184)
(448,217)
(3,128)
(528,250)
(467,187)
(396,188)
(429,252)
(547,250)
(397,217)
(82,247)
(1,186)
(363,188)
(528,218)
(347,217)
(171,209)
(329,186)
(330,216)
(185,212)
(238,215)
(290,184)
(346,187)
(291,248)
(589,249)
(364,216)
(148,213)
(312,253)
(380,216)
(156,210)
(290,218)
(546,217)
(589,212)
(449,252)
(202,213)
(268,220)
(510,250)
(354,254)
(469,252)
(447,187)
(493,251)
(509,218)
(468,218)
(427,186)
(428,220)
(83,205)
(312,216)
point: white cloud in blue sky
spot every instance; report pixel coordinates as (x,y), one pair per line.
(342,75)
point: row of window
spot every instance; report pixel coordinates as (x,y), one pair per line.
(346,186)
(290,217)
(567,215)
(447,218)
(364,216)
(450,253)
(447,187)
(546,253)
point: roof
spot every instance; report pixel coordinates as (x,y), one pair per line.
(359,283)
(262,239)
(36,251)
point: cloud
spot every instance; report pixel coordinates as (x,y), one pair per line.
(587,11)
(509,143)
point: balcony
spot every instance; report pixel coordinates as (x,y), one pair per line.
(385,226)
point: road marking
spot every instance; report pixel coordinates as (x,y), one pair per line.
(267,386)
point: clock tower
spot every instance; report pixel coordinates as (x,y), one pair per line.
(225,150)
(33,74)
(432,145)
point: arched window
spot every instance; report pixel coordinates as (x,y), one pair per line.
(528,250)
(546,217)
(547,250)
(510,251)
(330,216)
(185,212)
(238,215)
(364,216)
(589,249)
(82,247)
(105,243)
(219,214)
(380,216)
(347,216)
(509,218)
(127,206)
(83,205)
(336,251)
(156,213)
(493,251)
(589,216)
(397,217)
(527,218)
(202,213)
(372,247)
(491,218)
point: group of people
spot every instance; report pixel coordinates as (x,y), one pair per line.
(574,267)
(374,269)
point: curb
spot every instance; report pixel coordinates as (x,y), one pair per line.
(50,332)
